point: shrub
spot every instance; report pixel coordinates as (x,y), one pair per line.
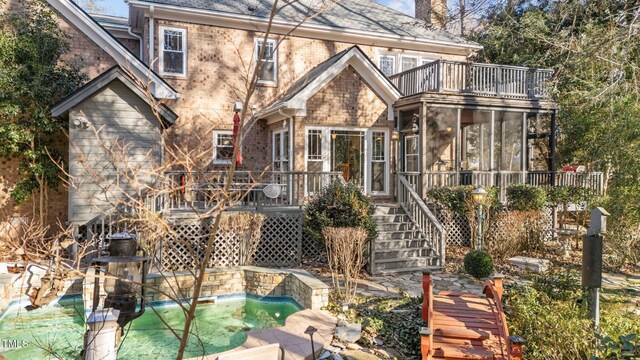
(339,205)
(458,200)
(478,264)
(526,197)
(247,228)
(562,329)
(512,232)
(345,247)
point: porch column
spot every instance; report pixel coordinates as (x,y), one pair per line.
(423,148)
(459,144)
(492,148)
(552,148)
(395,153)
(523,149)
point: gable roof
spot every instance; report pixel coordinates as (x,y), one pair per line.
(295,98)
(116,73)
(125,58)
(353,17)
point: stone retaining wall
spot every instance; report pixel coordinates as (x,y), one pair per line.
(308,291)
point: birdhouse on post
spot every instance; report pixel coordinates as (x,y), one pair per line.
(592,260)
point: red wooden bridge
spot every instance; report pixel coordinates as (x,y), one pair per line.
(465,326)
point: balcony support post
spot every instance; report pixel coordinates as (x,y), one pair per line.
(523,149)
(552,148)
(492,139)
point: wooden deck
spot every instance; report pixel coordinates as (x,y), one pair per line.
(465,326)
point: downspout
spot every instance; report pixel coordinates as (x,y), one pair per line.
(140,41)
(151,36)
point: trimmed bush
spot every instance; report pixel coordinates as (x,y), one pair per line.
(478,264)
(526,198)
(339,205)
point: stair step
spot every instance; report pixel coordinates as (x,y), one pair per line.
(381,255)
(407,270)
(393,218)
(397,235)
(398,226)
(388,210)
(461,333)
(397,244)
(382,265)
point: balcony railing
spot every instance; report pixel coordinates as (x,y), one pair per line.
(203,190)
(444,76)
(593,181)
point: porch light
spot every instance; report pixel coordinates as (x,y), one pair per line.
(333,136)
(126,272)
(395,135)
(479,195)
(414,124)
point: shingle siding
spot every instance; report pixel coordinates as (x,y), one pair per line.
(97,162)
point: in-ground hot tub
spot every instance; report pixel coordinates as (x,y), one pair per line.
(57,330)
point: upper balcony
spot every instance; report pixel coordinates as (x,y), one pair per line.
(454,77)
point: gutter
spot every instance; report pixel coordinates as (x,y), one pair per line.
(140,41)
(252,20)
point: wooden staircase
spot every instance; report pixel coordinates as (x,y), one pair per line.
(464,326)
(399,246)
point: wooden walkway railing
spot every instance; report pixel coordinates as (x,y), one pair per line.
(475,78)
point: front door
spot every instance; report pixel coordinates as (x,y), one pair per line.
(348,155)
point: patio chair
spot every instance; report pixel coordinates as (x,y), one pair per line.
(266,352)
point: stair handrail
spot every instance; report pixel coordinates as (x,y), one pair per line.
(430,228)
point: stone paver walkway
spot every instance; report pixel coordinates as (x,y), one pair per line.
(410,284)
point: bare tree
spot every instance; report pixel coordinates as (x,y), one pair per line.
(132,202)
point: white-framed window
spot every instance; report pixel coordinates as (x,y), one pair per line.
(425,61)
(222,146)
(408,62)
(173,51)
(280,150)
(411,153)
(387,64)
(379,162)
(269,71)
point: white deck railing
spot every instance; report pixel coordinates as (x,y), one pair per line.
(428,225)
(475,78)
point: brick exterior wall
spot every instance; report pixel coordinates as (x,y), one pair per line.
(219,61)
(345,101)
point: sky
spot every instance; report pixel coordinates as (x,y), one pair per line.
(118,7)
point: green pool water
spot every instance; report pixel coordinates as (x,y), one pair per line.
(56,331)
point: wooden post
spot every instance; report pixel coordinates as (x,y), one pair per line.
(497,283)
(516,343)
(426,334)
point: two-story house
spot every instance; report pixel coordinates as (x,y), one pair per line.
(349,89)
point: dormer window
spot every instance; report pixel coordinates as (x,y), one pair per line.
(173,51)
(269,60)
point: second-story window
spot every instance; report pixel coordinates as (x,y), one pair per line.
(268,60)
(409,62)
(173,51)
(388,64)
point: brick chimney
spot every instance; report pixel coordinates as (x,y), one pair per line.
(433,12)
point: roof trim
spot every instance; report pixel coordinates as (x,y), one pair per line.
(90,27)
(354,57)
(103,80)
(246,22)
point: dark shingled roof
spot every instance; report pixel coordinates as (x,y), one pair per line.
(359,15)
